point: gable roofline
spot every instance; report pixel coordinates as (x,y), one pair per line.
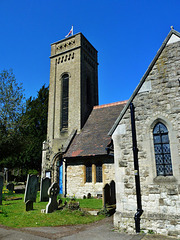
(143,79)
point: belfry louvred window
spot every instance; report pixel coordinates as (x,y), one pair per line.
(65,102)
(162,150)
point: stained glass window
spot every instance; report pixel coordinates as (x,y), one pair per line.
(162,150)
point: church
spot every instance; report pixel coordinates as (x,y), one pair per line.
(89,145)
(153,111)
(75,154)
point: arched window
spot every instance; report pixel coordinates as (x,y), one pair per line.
(99,172)
(65,102)
(162,150)
(88,172)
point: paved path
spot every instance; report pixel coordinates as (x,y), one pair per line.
(95,231)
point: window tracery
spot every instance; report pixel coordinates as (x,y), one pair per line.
(162,150)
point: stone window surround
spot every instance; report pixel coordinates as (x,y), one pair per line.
(93,174)
(159,152)
(88,172)
(153,178)
(61,82)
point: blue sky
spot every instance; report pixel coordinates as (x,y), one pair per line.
(126,33)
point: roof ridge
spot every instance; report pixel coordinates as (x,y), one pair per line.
(110,104)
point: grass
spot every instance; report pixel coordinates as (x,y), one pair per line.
(91,204)
(13,213)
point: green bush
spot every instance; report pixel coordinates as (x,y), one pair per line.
(32,172)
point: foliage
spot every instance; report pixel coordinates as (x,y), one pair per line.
(22,128)
(11,109)
(105,212)
(13,214)
(32,172)
(34,130)
(11,100)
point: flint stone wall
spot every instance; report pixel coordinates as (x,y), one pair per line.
(160,195)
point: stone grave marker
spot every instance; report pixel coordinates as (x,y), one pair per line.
(29,205)
(106,195)
(10,187)
(45,185)
(112,192)
(1,186)
(52,192)
(31,188)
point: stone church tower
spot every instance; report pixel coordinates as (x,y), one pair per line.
(73,91)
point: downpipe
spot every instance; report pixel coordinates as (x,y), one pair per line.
(136,172)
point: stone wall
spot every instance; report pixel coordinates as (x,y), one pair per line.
(76,178)
(157,100)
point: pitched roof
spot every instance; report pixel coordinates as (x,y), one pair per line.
(93,138)
(173,35)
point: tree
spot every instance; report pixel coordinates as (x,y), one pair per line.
(34,130)
(11,100)
(11,109)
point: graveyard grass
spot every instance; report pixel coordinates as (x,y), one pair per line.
(13,214)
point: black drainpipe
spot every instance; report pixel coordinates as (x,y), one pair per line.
(136,171)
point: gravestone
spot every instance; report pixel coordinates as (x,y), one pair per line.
(89,196)
(1,186)
(106,195)
(10,187)
(31,188)
(29,205)
(112,192)
(45,185)
(52,192)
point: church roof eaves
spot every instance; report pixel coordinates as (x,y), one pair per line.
(143,80)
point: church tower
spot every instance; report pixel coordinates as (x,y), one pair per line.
(73,91)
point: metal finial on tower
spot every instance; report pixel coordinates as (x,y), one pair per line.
(172,27)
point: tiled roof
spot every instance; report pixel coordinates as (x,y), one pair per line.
(93,138)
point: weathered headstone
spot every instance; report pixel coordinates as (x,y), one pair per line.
(112,192)
(89,196)
(45,185)
(10,187)
(1,186)
(31,188)
(52,192)
(29,205)
(106,195)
